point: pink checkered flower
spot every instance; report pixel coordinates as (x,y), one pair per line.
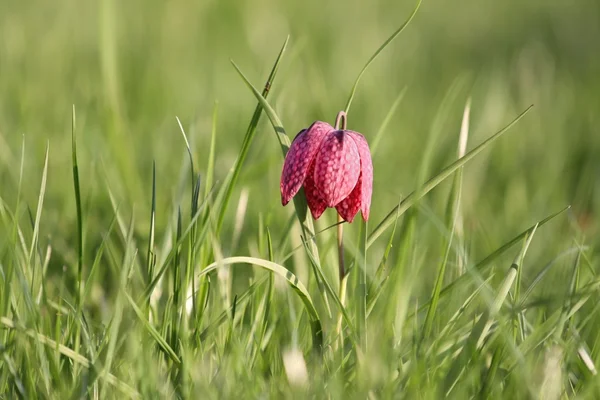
(335,169)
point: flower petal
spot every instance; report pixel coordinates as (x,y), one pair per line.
(314,201)
(348,207)
(366,170)
(299,157)
(337,167)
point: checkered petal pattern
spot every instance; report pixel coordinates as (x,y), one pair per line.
(335,169)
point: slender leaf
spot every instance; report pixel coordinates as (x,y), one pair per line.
(436,180)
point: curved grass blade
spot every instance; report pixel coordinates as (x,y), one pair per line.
(386,122)
(412,198)
(290,277)
(379,50)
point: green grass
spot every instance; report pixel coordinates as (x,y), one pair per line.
(144,252)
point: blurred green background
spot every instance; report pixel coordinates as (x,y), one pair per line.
(131,67)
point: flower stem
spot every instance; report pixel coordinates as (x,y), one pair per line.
(343,279)
(340,123)
(340,120)
(340,243)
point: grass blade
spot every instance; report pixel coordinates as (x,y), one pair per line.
(283,272)
(480,332)
(210,167)
(250,132)
(188,148)
(224,316)
(162,343)
(374,56)
(484,264)
(38,213)
(151,257)
(72,355)
(299,200)
(436,180)
(386,122)
(453,205)
(77,189)
(283,138)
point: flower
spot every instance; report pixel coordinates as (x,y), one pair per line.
(335,168)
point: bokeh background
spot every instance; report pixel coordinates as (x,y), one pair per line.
(131,67)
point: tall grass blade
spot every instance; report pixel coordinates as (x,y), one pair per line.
(453,205)
(284,140)
(77,189)
(151,257)
(38,213)
(250,132)
(210,164)
(188,148)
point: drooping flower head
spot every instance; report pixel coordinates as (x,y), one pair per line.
(335,169)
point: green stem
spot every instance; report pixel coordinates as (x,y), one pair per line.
(343,279)
(340,123)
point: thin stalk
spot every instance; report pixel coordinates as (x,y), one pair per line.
(342,271)
(342,295)
(340,243)
(340,123)
(77,190)
(151,256)
(78,207)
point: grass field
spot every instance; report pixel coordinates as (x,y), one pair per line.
(144,251)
